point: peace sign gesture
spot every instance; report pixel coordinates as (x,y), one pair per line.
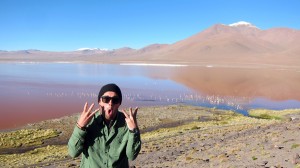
(131,118)
(86,115)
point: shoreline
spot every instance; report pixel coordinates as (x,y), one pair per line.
(244,113)
(166,63)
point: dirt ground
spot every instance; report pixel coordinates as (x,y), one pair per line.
(188,136)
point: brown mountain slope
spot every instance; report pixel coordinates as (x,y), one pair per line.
(225,44)
(219,44)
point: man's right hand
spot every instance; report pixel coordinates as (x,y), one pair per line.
(86,115)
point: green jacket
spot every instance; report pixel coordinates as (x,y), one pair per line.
(103,148)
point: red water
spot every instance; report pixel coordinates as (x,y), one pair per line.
(32,93)
(23,103)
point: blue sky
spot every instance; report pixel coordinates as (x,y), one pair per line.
(66,25)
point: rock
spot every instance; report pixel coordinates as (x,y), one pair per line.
(278,147)
(206,160)
(264,163)
(296,159)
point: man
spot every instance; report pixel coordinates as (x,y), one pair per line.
(105,136)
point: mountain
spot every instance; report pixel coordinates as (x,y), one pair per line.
(237,43)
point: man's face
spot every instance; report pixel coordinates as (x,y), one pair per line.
(109,103)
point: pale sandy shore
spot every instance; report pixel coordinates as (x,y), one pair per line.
(176,136)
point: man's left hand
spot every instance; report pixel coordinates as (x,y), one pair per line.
(131,118)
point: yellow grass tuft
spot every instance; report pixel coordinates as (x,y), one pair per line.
(272,114)
(25,137)
(38,155)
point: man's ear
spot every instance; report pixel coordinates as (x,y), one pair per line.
(101,104)
(101,107)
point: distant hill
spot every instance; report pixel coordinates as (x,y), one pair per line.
(235,44)
(238,43)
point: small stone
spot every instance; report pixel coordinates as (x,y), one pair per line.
(296,159)
(206,160)
(264,163)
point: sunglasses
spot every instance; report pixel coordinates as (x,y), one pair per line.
(114,100)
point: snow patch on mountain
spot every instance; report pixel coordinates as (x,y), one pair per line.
(243,23)
(92,49)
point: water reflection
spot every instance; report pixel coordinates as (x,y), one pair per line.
(271,83)
(34,92)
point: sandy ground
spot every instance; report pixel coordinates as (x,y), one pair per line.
(187,136)
(256,146)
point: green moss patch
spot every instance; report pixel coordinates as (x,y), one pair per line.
(25,137)
(272,114)
(295,146)
(226,118)
(36,156)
